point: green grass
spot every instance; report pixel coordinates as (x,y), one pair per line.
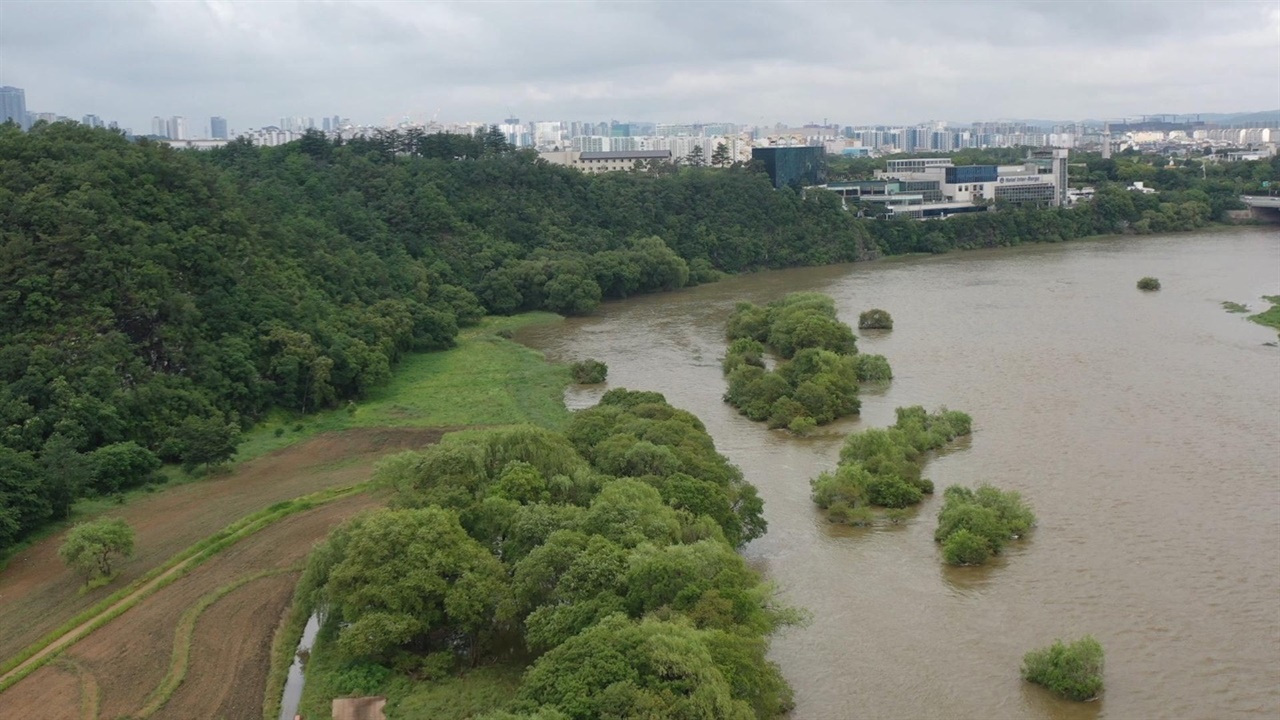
(485,380)
(1271,316)
(456,698)
(475,692)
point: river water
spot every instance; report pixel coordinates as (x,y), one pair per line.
(1144,428)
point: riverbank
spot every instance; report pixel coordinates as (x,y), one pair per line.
(487,379)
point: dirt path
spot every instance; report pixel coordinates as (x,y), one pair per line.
(130,655)
(37,593)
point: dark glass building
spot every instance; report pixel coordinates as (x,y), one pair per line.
(972,174)
(793,166)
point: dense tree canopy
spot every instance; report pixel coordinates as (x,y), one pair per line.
(816,380)
(882,467)
(608,551)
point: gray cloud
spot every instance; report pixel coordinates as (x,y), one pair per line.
(851,62)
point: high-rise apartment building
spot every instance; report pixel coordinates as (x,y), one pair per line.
(218,128)
(159,127)
(92,121)
(13,106)
(178,128)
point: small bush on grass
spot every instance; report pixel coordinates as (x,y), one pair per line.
(1073,670)
(875,319)
(1148,283)
(589,372)
(360,678)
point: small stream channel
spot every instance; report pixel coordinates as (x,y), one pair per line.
(293,685)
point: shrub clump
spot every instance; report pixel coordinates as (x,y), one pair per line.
(818,376)
(873,368)
(882,467)
(875,319)
(1148,283)
(589,372)
(1073,670)
(973,525)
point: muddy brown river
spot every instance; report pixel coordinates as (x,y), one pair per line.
(1144,428)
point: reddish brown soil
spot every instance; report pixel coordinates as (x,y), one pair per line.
(50,693)
(131,655)
(37,593)
(231,653)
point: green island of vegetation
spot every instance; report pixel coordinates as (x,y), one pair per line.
(817,379)
(1072,670)
(875,319)
(602,559)
(1271,316)
(881,467)
(1234,307)
(973,525)
(589,371)
(1149,283)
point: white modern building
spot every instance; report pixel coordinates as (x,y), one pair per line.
(1040,180)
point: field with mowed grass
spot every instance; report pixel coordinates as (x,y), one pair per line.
(485,380)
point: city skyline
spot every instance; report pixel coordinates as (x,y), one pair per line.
(793,63)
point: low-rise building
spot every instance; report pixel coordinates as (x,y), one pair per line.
(1040,180)
(598,162)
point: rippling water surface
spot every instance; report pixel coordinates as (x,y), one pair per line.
(1143,427)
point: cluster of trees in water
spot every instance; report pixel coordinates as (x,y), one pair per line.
(603,557)
(816,380)
(169,298)
(973,525)
(881,467)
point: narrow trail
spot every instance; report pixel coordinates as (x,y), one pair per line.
(84,628)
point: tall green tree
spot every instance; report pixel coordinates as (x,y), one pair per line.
(95,546)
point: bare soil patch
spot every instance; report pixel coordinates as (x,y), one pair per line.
(37,593)
(231,653)
(130,655)
(50,693)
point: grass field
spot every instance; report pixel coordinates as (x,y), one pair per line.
(473,693)
(485,380)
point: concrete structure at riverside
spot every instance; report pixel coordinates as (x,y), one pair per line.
(935,187)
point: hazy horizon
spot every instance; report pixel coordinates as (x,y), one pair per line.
(755,63)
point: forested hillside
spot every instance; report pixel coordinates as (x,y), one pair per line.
(154,302)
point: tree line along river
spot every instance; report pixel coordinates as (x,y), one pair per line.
(1144,428)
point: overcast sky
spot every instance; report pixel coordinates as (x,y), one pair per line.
(673,61)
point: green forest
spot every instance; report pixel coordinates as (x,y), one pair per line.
(602,558)
(156,302)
